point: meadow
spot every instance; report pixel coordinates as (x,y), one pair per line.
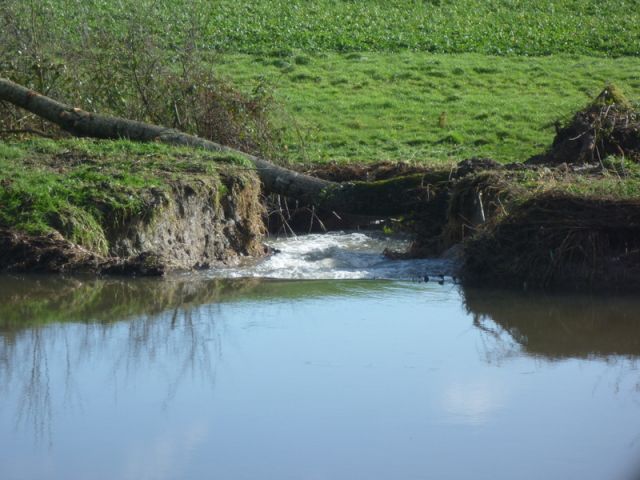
(413,80)
(415,106)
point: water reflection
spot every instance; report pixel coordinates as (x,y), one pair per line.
(354,370)
(163,323)
(173,318)
(557,326)
(177,316)
(27,301)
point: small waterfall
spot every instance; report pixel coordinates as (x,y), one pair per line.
(338,255)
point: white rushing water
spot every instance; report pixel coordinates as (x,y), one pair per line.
(338,255)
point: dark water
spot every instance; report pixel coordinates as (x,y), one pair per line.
(195,378)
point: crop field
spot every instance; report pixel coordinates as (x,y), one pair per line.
(444,26)
(493,27)
(415,80)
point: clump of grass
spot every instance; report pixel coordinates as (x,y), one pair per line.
(302,60)
(611,95)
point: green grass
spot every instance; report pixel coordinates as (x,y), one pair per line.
(416,106)
(75,186)
(497,27)
(412,80)
(618,179)
(491,27)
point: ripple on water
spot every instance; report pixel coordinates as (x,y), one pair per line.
(337,255)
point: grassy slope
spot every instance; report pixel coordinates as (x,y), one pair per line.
(72,184)
(486,96)
(466,77)
(420,106)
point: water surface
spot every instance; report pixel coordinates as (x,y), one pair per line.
(193,377)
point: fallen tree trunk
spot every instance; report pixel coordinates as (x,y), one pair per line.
(377,198)
(85,124)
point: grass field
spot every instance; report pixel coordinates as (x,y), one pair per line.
(371,80)
(417,106)
(494,27)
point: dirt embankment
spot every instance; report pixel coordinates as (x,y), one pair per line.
(136,213)
(193,225)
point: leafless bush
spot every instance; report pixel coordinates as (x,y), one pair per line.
(122,65)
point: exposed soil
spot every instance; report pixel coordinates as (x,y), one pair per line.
(560,241)
(190,220)
(20,252)
(351,172)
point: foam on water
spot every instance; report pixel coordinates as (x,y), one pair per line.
(337,255)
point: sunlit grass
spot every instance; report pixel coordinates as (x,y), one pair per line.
(418,106)
(74,185)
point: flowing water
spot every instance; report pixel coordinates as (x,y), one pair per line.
(336,255)
(342,365)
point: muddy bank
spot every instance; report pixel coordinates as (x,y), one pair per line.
(134,211)
(570,222)
(560,241)
(52,253)
(524,226)
(190,226)
(561,228)
(196,224)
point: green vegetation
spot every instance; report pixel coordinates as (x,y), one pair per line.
(619,180)
(424,81)
(411,80)
(77,186)
(416,107)
(497,27)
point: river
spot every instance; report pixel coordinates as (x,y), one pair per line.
(324,361)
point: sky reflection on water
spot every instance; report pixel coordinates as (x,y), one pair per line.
(197,378)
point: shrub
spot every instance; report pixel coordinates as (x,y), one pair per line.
(123,65)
